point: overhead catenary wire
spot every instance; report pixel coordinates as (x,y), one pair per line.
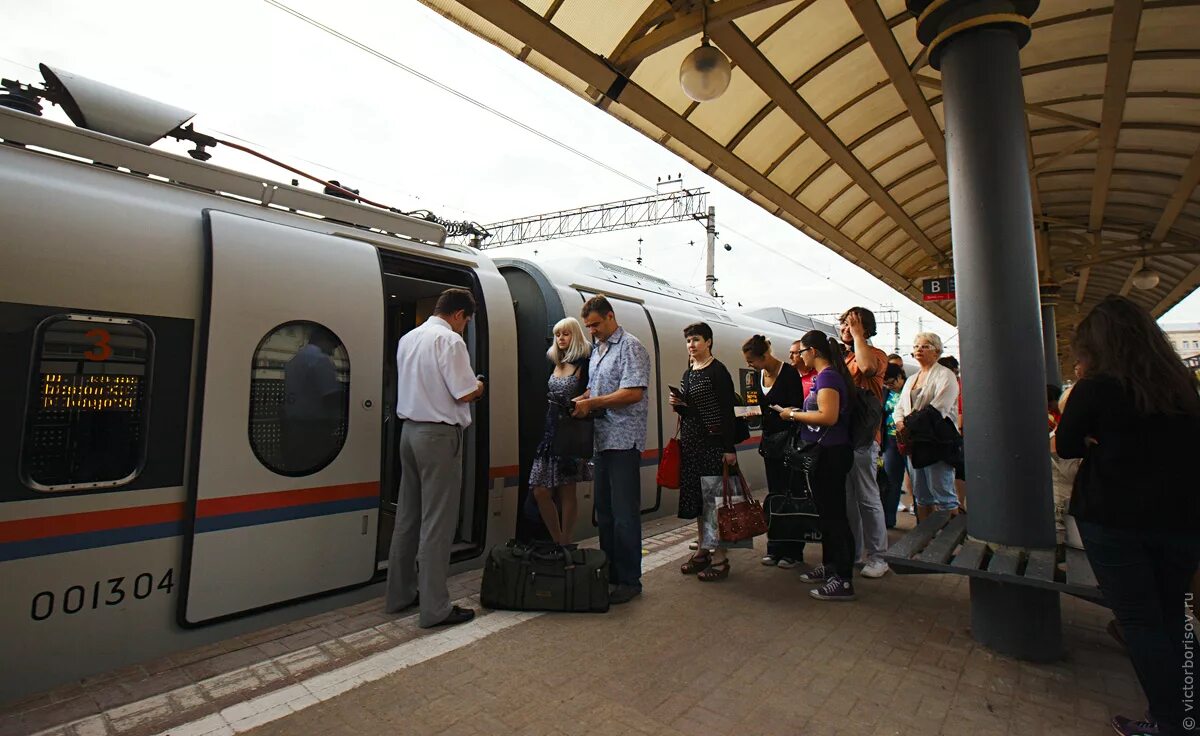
(447,88)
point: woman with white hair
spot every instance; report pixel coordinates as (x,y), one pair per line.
(555,475)
(934,386)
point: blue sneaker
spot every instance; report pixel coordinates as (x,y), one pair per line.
(834,589)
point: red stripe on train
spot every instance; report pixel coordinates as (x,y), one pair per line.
(90,521)
(208,507)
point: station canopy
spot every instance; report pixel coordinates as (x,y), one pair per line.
(833,121)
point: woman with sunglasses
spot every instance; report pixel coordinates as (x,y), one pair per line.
(934,385)
(825,422)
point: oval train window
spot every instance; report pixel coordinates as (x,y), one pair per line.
(299,398)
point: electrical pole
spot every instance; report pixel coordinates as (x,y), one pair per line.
(710,255)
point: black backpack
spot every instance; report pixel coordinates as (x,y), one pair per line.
(866,413)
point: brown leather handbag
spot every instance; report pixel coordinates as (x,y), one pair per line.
(741,520)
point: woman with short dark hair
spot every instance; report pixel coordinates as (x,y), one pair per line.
(706,441)
(825,425)
(1134,419)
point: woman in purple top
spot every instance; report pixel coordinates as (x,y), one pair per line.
(825,421)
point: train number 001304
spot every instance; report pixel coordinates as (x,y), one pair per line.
(111,592)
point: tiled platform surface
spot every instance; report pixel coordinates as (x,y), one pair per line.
(750,655)
(145,699)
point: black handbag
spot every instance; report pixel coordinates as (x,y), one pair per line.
(801,457)
(574,437)
(775,444)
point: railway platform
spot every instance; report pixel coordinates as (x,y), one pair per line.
(753,654)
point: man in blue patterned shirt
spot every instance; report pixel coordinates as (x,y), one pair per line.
(618,375)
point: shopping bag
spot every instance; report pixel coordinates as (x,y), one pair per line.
(712,488)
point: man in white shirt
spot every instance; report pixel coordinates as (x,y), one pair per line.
(435,389)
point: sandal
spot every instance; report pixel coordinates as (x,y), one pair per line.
(715,571)
(698,563)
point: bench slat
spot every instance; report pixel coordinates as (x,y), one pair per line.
(1041,565)
(943,545)
(971,555)
(915,541)
(1005,561)
(1079,570)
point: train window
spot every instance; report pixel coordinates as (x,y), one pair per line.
(85,422)
(299,398)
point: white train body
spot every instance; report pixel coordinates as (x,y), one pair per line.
(161,309)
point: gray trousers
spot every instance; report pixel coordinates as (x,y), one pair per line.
(426,516)
(864,507)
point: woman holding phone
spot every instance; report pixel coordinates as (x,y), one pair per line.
(553,477)
(825,426)
(704,402)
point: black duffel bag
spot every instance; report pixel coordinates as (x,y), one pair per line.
(520,577)
(792,518)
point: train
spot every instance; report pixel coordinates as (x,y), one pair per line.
(151,308)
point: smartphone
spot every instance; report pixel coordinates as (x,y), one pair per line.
(777,408)
(675,390)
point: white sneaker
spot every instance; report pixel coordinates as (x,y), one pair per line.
(787,563)
(876,568)
(770,561)
(903,509)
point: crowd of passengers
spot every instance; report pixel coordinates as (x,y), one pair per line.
(1120,440)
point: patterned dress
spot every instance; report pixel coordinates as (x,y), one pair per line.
(549,470)
(705,432)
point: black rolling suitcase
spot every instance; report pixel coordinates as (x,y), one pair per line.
(519,577)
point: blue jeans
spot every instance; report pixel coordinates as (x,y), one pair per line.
(933,485)
(618,487)
(1144,576)
(894,466)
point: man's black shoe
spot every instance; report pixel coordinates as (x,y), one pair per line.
(457,616)
(623,594)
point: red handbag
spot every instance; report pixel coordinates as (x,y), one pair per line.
(668,464)
(742,520)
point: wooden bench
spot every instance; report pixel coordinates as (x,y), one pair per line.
(939,544)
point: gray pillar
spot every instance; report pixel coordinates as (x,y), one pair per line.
(1050,335)
(999,318)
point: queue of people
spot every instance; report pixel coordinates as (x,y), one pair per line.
(1126,427)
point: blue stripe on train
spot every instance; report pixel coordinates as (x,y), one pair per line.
(128,535)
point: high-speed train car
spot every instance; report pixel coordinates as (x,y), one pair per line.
(174,331)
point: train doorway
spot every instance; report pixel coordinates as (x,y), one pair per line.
(411,289)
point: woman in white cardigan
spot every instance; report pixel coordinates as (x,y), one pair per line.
(934,385)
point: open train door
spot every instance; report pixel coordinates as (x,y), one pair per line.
(285,450)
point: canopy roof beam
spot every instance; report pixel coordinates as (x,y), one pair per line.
(733,42)
(1122,45)
(879,34)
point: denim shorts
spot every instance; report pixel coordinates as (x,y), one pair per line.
(933,485)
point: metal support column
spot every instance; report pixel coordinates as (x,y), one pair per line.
(1049,294)
(975,44)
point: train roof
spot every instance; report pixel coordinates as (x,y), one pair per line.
(48,137)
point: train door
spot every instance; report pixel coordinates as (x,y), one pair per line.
(412,287)
(284,486)
(635,319)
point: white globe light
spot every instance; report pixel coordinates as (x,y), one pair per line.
(705,73)
(1147,278)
